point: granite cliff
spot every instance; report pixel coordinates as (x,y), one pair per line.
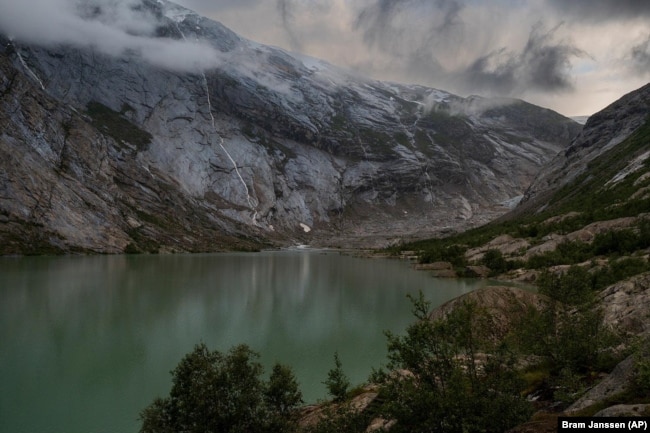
(106,152)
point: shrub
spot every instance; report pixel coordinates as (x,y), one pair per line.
(568,333)
(494,260)
(445,384)
(213,392)
(337,382)
(455,254)
(619,270)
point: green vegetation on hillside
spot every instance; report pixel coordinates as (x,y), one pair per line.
(117,126)
(451,375)
(567,337)
(601,193)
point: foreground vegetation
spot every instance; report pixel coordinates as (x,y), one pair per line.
(454,374)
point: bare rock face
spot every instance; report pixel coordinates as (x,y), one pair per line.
(505,305)
(266,146)
(506,244)
(620,410)
(616,382)
(625,304)
(66,187)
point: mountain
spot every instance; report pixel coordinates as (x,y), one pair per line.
(582,227)
(111,153)
(589,207)
(599,158)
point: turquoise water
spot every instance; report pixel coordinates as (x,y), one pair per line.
(87,342)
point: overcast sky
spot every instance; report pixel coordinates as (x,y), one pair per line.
(574,56)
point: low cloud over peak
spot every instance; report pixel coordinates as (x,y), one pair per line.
(113,27)
(565,55)
(573,56)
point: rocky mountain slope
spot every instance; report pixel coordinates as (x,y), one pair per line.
(584,222)
(111,153)
(602,133)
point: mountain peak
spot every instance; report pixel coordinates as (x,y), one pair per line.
(199,134)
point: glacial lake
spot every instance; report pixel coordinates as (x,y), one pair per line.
(87,342)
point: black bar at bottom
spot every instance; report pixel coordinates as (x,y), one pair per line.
(567,424)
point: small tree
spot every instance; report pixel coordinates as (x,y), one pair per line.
(569,331)
(450,375)
(568,334)
(224,393)
(494,260)
(337,382)
(282,397)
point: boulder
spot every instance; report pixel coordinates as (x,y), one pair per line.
(615,383)
(625,304)
(477,271)
(506,306)
(625,410)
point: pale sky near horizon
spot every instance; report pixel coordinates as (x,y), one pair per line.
(573,56)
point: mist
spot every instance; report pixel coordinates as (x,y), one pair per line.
(113,27)
(573,56)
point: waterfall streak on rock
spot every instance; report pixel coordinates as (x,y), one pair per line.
(249,199)
(28,69)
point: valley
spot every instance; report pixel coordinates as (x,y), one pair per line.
(126,157)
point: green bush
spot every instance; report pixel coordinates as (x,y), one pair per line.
(455,254)
(337,382)
(570,288)
(619,270)
(213,392)
(568,333)
(438,380)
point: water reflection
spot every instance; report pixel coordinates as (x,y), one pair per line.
(86,342)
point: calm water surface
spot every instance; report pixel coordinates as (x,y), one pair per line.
(88,342)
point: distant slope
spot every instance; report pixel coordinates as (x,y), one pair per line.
(603,138)
(591,207)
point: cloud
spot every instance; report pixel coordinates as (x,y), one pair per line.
(489,47)
(410,28)
(113,27)
(543,65)
(603,10)
(640,56)
(285,9)
(446,41)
